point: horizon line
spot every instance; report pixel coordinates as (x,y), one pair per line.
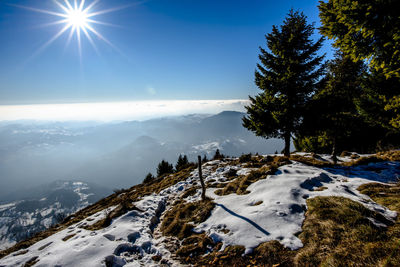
(118,110)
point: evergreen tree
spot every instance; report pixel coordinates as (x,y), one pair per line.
(149,177)
(333,113)
(182,163)
(218,155)
(376,90)
(367,30)
(164,168)
(287,76)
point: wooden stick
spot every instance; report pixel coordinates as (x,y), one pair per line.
(203,187)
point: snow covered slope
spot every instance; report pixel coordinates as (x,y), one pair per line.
(45,206)
(273,209)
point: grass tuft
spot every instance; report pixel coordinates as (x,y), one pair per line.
(183,216)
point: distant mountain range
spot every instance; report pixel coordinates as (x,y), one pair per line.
(39,208)
(117,154)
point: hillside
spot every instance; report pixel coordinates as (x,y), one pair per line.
(33,153)
(260,210)
(43,206)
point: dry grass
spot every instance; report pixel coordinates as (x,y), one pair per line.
(66,238)
(31,262)
(321,188)
(267,254)
(311,161)
(183,216)
(336,232)
(240,184)
(393,155)
(116,199)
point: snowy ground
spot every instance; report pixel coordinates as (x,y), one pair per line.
(283,203)
(278,215)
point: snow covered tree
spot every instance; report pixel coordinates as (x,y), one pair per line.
(287,75)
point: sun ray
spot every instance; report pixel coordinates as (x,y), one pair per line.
(49,42)
(77,17)
(66,10)
(71,33)
(81,5)
(42,11)
(90,6)
(53,23)
(68,5)
(105,11)
(90,40)
(102,23)
(78,34)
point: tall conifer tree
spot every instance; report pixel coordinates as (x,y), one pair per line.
(333,112)
(287,75)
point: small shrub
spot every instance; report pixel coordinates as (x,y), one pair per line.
(218,155)
(164,168)
(345,154)
(245,158)
(149,178)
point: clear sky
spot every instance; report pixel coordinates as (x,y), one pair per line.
(164,50)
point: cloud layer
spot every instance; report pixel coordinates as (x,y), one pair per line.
(109,111)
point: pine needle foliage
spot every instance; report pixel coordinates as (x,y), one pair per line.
(288,73)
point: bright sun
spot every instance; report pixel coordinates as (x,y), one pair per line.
(77,19)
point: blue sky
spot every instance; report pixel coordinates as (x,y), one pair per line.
(166,50)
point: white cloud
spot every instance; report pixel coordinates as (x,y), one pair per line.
(108,111)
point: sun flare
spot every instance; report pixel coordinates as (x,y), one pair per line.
(77,18)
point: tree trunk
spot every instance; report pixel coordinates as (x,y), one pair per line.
(203,187)
(334,152)
(286,151)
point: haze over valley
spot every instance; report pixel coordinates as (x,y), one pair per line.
(115,154)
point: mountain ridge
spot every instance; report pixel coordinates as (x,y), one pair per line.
(140,225)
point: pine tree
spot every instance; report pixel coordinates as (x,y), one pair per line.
(287,75)
(164,168)
(367,30)
(218,155)
(149,177)
(333,111)
(182,163)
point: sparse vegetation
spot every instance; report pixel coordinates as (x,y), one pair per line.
(182,217)
(182,163)
(164,167)
(149,177)
(218,155)
(336,232)
(133,193)
(68,237)
(240,184)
